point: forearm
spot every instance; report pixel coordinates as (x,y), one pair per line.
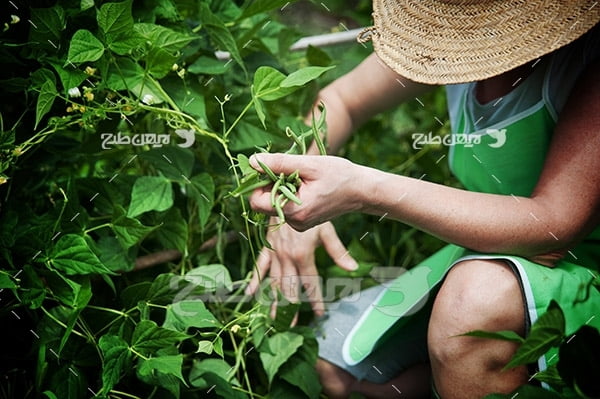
(483,222)
(354,98)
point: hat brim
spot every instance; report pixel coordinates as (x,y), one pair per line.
(445,42)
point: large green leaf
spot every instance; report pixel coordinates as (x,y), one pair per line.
(302,374)
(202,190)
(116,360)
(219,33)
(173,231)
(212,278)
(130,231)
(46,27)
(175,163)
(202,370)
(282,346)
(45,100)
(75,292)
(267,84)
(150,193)
(148,337)
(84,47)
(72,255)
(115,20)
(304,75)
(156,369)
(69,76)
(546,332)
(162,37)
(189,313)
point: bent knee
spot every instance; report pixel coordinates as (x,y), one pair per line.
(476,295)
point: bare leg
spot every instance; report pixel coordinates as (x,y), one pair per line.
(476,295)
(339,384)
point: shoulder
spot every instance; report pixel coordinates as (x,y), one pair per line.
(567,65)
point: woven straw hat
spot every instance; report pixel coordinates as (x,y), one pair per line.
(454,41)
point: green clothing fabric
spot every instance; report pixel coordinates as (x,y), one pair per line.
(507,159)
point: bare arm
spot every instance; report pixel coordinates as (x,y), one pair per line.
(563,208)
(370,88)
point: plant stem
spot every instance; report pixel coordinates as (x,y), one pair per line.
(100,226)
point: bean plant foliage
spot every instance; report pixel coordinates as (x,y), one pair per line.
(124,253)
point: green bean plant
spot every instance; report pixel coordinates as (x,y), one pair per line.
(124,253)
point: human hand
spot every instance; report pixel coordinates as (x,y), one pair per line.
(291,263)
(328,189)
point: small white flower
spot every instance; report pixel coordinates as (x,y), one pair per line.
(175,67)
(14,19)
(148,99)
(74,92)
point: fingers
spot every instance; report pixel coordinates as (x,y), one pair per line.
(278,163)
(336,249)
(263,263)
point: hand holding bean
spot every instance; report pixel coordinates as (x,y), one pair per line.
(327,187)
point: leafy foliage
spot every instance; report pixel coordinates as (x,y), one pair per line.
(124,254)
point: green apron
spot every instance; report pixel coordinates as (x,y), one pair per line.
(506,159)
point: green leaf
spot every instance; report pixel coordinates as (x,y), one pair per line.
(207,65)
(148,337)
(6,281)
(219,33)
(501,335)
(174,162)
(130,231)
(282,345)
(202,369)
(285,315)
(74,292)
(85,4)
(115,20)
(84,47)
(211,277)
(116,360)
(205,346)
(68,381)
(41,76)
(126,43)
(113,255)
(317,57)
(46,27)
(69,76)
(170,365)
(202,190)
(162,37)
(551,377)
(304,75)
(546,332)
(267,84)
(173,231)
(72,255)
(45,100)
(32,291)
(303,375)
(189,313)
(248,136)
(150,193)
(253,7)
